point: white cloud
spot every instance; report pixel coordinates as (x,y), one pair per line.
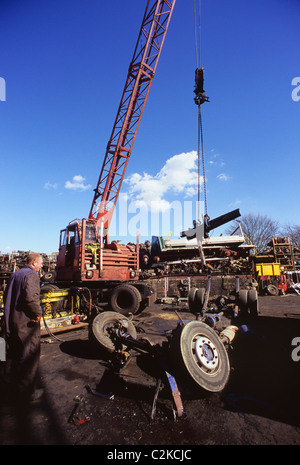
(177,176)
(235,204)
(48,185)
(223,177)
(77,184)
(216,159)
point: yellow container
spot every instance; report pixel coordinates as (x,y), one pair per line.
(268,269)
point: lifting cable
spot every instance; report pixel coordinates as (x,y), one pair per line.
(200,149)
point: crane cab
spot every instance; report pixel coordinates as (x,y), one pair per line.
(84,255)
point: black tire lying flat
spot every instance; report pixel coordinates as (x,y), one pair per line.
(48,277)
(125,299)
(103,322)
(202,356)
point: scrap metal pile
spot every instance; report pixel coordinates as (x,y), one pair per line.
(9,263)
(189,255)
(191,355)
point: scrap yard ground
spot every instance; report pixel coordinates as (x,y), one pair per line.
(260,404)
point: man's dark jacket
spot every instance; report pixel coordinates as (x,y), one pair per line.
(21,303)
(21,307)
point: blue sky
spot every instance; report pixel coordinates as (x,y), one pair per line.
(64,66)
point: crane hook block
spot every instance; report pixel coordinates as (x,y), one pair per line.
(199,83)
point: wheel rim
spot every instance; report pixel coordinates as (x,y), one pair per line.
(107,328)
(205,353)
(112,325)
(202,356)
(103,325)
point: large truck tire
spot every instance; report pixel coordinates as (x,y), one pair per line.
(248,302)
(125,299)
(253,304)
(196,300)
(200,356)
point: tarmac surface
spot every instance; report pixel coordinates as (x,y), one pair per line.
(260,405)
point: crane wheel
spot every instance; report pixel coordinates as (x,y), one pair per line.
(125,299)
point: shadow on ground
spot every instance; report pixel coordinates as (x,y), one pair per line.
(265,380)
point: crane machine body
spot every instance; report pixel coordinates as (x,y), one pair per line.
(85,252)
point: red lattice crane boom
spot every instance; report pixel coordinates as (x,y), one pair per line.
(139,79)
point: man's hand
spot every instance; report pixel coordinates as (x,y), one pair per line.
(36,319)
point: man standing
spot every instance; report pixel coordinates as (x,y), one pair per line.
(22,312)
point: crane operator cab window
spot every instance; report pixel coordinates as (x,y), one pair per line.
(69,240)
(90,233)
